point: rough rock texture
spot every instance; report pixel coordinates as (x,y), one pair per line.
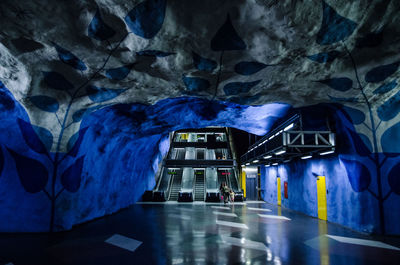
(61,61)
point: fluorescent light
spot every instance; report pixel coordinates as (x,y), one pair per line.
(275,164)
(243,165)
(289,127)
(267,157)
(267,165)
(280,152)
(287,160)
(255,161)
(306,157)
(326,153)
(247,164)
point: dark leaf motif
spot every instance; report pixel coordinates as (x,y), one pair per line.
(385,87)
(390,135)
(390,108)
(324,57)
(380,73)
(235,88)
(1,160)
(79,114)
(74,145)
(394,179)
(357,116)
(32,173)
(101,94)
(249,68)
(195,84)
(147,18)
(154,53)
(227,39)
(203,64)
(335,99)
(45,136)
(31,138)
(45,103)
(98,29)
(71,178)
(334,27)
(57,81)
(358,174)
(119,73)
(6,101)
(373,39)
(69,58)
(339,83)
(359,143)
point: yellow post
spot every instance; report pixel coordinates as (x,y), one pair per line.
(321,195)
(278,191)
(244,183)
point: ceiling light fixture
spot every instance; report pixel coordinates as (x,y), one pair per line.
(267,157)
(280,152)
(326,153)
(306,157)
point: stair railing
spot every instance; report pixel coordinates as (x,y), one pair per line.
(171,181)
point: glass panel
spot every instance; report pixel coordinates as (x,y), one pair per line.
(190,153)
(180,154)
(220,137)
(211,177)
(167,174)
(200,154)
(210,154)
(187,178)
(201,138)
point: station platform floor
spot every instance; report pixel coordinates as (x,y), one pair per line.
(247,233)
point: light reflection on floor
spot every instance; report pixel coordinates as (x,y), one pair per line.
(199,233)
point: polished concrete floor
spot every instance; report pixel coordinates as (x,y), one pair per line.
(198,233)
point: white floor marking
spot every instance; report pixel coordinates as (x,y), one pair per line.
(362,242)
(250,202)
(220,207)
(232,224)
(274,217)
(124,242)
(179,216)
(243,242)
(258,209)
(225,214)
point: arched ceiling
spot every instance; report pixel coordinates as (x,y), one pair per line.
(62,60)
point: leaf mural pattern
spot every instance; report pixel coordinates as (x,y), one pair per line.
(335,99)
(235,88)
(45,136)
(101,94)
(390,108)
(71,178)
(119,73)
(69,58)
(98,29)
(147,18)
(74,147)
(154,53)
(227,39)
(203,64)
(394,179)
(45,103)
(358,174)
(249,68)
(359,143)
(387,139)
(324,57)
(79,114)
(357,116)
(334,27)
(57,81)
(380,73)
(31,138)
(385,87)
(32,173)
(195,84)
(340,83)
(373,39)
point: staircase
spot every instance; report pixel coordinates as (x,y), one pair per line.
(199,188)
(175,188)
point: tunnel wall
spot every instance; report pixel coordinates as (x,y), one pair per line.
(352,176)
(112,159)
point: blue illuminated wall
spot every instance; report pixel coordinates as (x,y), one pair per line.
(353,198)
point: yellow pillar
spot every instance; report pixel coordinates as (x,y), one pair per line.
(244,183)
(278,191)
(321,195)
